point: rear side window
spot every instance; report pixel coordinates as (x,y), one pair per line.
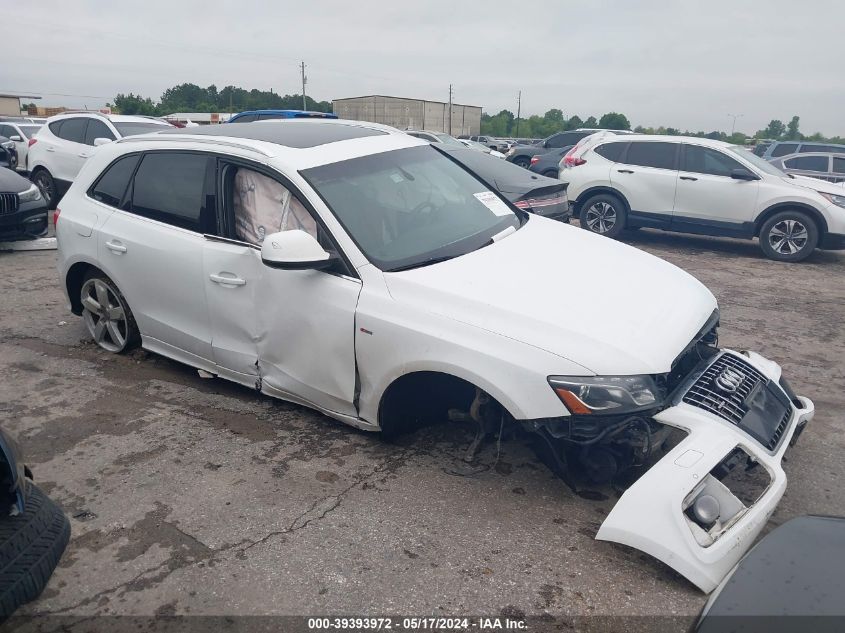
(568,139)
(111,186)
(782,149)
(74,130)
(808,163)
(97,129)
(56,127)
(264,117)
(169,187)
(246,118)
(703,160)
(838,165)
(828,149)
(7,131)
(658,155)
(611,151)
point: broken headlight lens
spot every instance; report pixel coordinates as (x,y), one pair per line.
(608,395)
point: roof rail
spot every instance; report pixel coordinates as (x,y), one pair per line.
(210,140)
(95,112)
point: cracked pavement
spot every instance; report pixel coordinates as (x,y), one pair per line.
(196,496)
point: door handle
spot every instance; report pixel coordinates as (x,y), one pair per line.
(116,247)
(51,149)
(688,178)
(230,281)
(84,155)
(625,171)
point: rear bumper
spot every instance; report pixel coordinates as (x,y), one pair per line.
(651,515)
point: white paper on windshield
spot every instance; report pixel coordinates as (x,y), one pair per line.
(493,202)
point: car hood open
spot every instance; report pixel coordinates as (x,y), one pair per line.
(608,307)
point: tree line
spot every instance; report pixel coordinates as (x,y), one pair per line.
(188,97)
(506,125)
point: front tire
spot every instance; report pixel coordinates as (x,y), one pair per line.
(603,214)
(789,236)
(107,314)
(47,185)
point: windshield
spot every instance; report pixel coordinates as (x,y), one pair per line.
(411,207)
(29,130)
(127,128)
(761,164)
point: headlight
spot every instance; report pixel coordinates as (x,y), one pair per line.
(511,151)
(30,195)
(608,395)
(8,145)
(839,201)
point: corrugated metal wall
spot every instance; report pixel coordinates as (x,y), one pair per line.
(410,114)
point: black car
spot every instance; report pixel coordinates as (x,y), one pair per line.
(790,582)
(522,154)
(34,531)
(23,210)
(528,191)
(548,164)
(8,154)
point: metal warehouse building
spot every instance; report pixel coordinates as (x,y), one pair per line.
(416,114)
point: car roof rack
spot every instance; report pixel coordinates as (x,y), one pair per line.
(95,112)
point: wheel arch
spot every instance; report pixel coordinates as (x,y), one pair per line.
(814,213)
(74,279)
(596,190)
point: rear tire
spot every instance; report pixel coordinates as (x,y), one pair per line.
(604,214)
(522,161)
(551,173)
(107,314)
(31,545)
(47,185)
(789,236)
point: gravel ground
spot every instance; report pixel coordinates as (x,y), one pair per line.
(196,496)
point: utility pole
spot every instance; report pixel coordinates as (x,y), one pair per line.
(450,109)
(733,125)
(304,80)
(518,111)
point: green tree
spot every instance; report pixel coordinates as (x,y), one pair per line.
(792,132)
(574,122)
(134,104)
(614,121)
(775,130)
(591,122)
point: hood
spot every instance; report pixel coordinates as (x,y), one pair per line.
(608,307)
(11,182)
(816,184)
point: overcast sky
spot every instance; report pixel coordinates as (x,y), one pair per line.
(679,63)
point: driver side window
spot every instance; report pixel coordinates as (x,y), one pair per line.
(261,205)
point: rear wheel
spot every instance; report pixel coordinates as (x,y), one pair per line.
(47,185)
(603,214)
(522,161)
(107,315)
(550,173)
(789,236)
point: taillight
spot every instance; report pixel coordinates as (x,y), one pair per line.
(56,216)
(573,161)
(522,204)
(535,160)
(31,142)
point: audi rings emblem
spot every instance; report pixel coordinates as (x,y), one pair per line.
(729,380)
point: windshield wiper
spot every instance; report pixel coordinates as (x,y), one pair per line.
(425,262)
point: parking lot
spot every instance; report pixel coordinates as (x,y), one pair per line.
(196,496)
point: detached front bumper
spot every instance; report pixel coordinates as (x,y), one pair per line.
(656,514)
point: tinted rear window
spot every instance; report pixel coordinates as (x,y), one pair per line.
(74,130)
(808,163)
(784,148)
(646,154)
(812,147)
(838,165)
(611,151)
(111,186)
(169,187)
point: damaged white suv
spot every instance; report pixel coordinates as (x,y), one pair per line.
(362,272)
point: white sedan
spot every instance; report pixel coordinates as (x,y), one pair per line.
(357,270)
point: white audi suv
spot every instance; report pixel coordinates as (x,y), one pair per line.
(367,274)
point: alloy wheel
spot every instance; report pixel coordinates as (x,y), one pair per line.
(45,185)
(788,237)
(601,217)
(104,315)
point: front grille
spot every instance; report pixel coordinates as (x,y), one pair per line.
(8,203)
(729,405)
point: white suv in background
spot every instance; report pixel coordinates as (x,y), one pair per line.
(20,131)
(66,141)
(697,185)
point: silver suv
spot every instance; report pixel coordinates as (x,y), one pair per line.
(829,167)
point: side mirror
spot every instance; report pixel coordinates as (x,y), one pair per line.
(101,141)
(546,144)
(16,138)
(295,250)
(743,174)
